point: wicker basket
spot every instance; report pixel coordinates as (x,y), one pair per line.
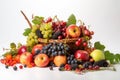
(70,42)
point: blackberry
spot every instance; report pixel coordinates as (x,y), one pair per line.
(38,33)
(74,66)
(102,63)
(87,64)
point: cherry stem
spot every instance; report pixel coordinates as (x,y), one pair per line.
(55,17)
(81,23)
(26,19)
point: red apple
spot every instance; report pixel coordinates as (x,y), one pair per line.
(26,58)
(22,49)
(81,55)
(41,60)
(36,47)
(73,31)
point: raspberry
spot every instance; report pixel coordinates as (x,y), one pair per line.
(21,67)
(67,67)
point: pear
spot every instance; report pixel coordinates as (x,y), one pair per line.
(97,55)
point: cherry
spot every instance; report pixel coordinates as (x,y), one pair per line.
(77,43)
(80,40)
(86,32)
(85,44)
(49,19)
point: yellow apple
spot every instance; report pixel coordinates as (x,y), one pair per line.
(97,55)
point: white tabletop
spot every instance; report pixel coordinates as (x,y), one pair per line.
(36,73)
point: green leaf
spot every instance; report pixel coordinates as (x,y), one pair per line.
(37,20)
(98,45)
(12,45)
(27,31)
(109,56)
(71,20)
(117,58)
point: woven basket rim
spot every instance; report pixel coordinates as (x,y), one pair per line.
(69,40)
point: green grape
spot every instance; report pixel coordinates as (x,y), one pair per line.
(32,39)
(34,28)
(46,30)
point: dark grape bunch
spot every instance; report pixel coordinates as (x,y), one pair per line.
(59,30)
(54,49)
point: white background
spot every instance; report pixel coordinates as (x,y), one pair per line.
(102,15)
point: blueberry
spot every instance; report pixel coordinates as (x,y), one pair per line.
(15,68)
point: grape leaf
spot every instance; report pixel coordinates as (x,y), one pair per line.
(27,31)
(98,45)
(109,56)
(117,58)
(37,20)
(71,20)
(113,58)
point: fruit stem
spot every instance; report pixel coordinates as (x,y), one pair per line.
(55,17)
(81,23)
(26,19)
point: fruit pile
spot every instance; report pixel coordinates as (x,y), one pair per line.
(56,43)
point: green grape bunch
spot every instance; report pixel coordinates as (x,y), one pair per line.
(46,29)
(32,38)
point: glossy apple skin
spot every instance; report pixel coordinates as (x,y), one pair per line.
(22,49)
(26,58)
(97,55)
(36,47)
(81,55)
(41,60)
(73,31)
